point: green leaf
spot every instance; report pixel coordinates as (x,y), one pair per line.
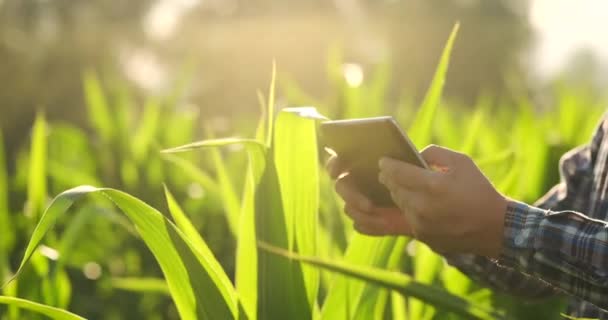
(297,163)
(36,186)
(199,245)
(7,236)
(399,282)
(281,289)
(271,107)
(422,124)
(230,199)
(214,143)
(52,312)
(145,133)
(195,285)
(97,104)
(246,255)
(362,250)
(194,172)
(141,285)
(246,252)
(260,132)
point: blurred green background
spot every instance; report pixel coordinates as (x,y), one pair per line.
(171,72)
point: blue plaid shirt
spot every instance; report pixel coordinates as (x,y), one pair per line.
(559,245)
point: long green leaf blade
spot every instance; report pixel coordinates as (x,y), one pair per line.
(271,107)
(246,255)
(141,285)
(52,312)
(422,124)
(296,158)
(229,196)
(399,282)
(281,290)
(6,231)
(200,246)
(36,187)
(195,285)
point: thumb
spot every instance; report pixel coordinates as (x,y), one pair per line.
(439,158)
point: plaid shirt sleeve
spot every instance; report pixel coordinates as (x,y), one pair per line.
(548,249)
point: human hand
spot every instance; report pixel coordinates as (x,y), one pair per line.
(367,218)
(454,210)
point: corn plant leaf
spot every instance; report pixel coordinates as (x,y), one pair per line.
(141,285)
(199,245)
(196,287)
(246,256)
(271,107)
(51,312)
(296,159)
(6,231)
(230,199)
(36,186)
(423,121)
(260,132)
(281,289)
(195,173)
(362,250)
(246,252)
(399,282)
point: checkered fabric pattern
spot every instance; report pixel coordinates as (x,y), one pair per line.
(560,244)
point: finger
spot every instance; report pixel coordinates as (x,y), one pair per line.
(380,221)
(403,174)
(351,196)
(334,167)
(407,201)
(439,158)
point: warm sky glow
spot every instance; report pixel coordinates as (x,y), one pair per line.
(565,26)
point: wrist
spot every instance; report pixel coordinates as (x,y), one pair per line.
(496,236)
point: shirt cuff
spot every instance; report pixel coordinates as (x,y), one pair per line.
(521,226)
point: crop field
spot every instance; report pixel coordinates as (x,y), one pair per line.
(150,212)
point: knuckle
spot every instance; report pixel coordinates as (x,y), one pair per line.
(431,148)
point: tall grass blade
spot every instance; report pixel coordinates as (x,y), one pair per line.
(196,287)
(399,282)
(37,185)
(296,158)
(51,312)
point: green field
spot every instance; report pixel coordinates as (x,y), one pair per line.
(250,227)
